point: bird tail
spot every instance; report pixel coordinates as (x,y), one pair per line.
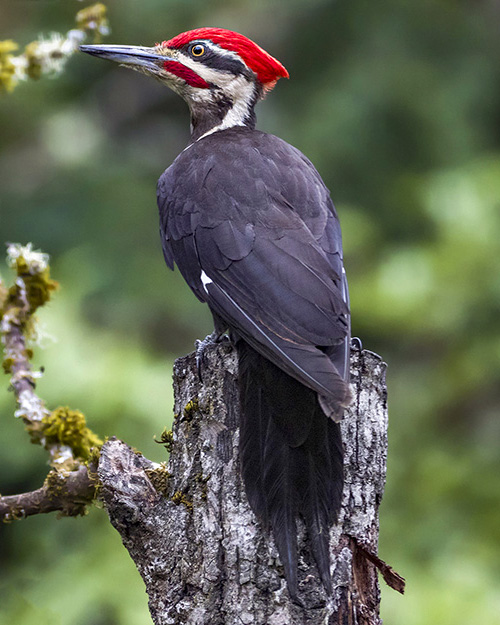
(291,460)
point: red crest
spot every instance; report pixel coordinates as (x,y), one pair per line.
(266,67)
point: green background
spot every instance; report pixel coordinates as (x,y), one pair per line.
(397,103)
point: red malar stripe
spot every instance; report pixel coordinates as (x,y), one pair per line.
(180,70)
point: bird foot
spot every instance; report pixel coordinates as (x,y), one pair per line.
(201,346)
(356,343)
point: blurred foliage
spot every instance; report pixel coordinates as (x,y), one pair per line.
(49,55)
(396,103)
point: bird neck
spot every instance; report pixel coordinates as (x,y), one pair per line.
(221,110)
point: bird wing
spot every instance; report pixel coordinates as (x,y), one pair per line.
(277,299)
(267,265)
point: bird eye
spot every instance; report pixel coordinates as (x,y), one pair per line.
(198,50)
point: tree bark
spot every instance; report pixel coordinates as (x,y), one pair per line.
(188,527)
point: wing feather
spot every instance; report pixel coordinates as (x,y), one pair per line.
(251,213)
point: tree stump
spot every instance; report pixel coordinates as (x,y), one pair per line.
(190,531)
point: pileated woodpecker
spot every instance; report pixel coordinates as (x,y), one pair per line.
(251,226)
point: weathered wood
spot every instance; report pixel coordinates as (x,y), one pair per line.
(200,550)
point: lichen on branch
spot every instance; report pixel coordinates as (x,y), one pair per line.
(63,432)
(68,427)
(31,289)
(48,55)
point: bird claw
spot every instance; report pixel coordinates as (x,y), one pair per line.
(201,347)
(356,343)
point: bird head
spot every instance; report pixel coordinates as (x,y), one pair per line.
(220,73)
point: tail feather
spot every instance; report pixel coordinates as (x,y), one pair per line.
(291,457)
(278,485)
(252,443)
(320,489)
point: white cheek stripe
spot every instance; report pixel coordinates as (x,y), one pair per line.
(229,122)
(239,88)
(205,280)
(242,93)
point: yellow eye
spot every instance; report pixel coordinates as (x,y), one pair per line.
(198,50)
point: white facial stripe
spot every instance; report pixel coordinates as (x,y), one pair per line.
(242,94)
(210,74)
(239,89)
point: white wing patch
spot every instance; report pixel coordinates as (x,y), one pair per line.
(205,280)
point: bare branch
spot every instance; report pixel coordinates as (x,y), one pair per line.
(393,579)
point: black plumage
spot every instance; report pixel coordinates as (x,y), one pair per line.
(251,226)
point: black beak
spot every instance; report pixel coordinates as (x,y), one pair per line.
(135,56)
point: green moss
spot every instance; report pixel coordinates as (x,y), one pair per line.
(39,285)
(7,365)
(7,67)
(55,483)
(94,19)
(202,481)
(166,439)
(180,498)
(92,463)
(94,456)
(14,514)
(159,478)
(68,427)
(4,293)
(56,488)
(34,67)
(190,408)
